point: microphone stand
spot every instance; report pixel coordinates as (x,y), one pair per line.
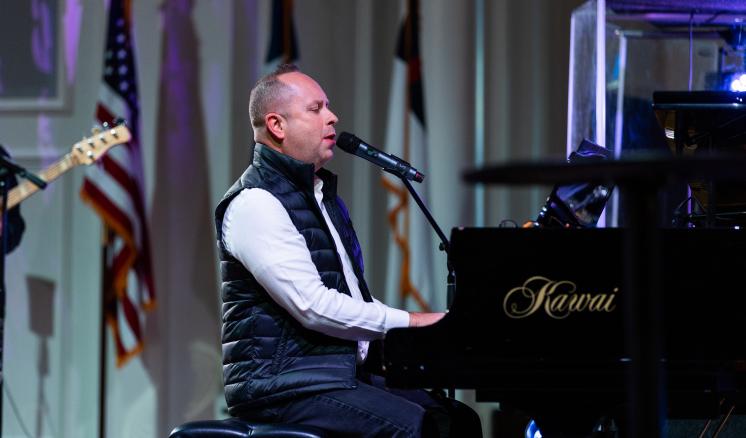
(445,245)
(8,168)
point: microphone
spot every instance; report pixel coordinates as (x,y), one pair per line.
(390,163)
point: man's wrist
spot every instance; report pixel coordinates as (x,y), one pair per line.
(421,319)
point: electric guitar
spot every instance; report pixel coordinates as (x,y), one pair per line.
(86,151)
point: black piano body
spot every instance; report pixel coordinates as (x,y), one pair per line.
(538,323)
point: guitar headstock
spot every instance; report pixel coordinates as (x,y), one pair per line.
(90,149)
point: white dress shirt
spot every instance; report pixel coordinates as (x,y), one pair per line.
(257,231)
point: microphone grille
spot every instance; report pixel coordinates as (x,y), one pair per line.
(347,142)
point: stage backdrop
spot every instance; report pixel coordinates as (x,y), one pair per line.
(196,61)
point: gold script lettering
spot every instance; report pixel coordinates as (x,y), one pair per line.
(558,299)
(610,306)
(512,304)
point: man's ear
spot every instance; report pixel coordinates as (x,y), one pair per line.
(275,124)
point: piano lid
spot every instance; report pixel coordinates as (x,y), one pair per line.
(631,169)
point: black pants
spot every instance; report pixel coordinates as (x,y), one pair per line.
(372,410)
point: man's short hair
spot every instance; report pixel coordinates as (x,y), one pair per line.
(266,92)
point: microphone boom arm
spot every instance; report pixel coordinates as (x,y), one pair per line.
(445,245)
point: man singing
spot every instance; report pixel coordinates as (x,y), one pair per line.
(297,314)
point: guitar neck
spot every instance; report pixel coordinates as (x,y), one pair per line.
(26,188)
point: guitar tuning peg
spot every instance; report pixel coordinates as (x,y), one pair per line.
(105,125)
(95,130)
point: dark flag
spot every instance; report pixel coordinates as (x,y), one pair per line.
(283,46)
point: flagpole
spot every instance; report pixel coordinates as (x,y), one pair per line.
(407,258)
(479,105)
(102,342)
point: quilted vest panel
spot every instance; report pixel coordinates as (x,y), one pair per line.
(267,355)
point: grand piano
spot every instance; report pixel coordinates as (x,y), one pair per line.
(570,324)
(537,323)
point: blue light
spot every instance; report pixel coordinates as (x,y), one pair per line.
(532,430)
(738,83)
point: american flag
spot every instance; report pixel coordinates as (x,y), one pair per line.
(113,188)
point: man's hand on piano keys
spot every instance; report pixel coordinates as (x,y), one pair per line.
(421,319)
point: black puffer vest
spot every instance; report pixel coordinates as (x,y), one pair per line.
(267,355)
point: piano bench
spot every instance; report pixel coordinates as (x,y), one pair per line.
(238,428)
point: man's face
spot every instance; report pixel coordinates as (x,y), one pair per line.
(309,131)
